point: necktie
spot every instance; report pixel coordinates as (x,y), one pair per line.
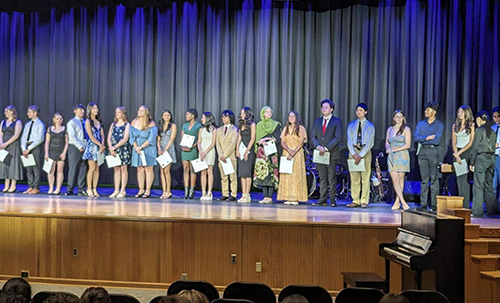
(324,125)
(83,127)
(359,140)
(225,131)
(29,131)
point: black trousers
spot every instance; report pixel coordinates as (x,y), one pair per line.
(482,190)
(77,168)
(33,172)
(428,160)
(327,181)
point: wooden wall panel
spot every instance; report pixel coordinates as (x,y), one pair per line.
(160,251)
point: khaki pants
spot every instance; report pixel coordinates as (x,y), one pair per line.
(360,181)
(229,180)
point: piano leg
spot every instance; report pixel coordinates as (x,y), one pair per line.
(387,275)
(418,280)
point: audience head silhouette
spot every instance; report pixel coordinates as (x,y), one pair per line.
(194,296)
(392,298)
(17,286)
(12,298)
(95,295)
(62,298)
(174,299)
(295,298)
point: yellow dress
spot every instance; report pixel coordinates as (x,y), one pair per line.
(293,187)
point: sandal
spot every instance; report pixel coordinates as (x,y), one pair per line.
(146,195)
(121,195)
(96,194)
(114,194)
(139,194)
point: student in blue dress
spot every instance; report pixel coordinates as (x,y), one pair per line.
(190,153)
(118,136)
(166,136)
(143,132)
(95,145)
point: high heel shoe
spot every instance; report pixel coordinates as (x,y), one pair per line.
(396,206)
(406,206)
(114,194)
(191,193)
(6,189)
(12,190)
(96,194)
(121,195)
(168,195)
(186,192)
(146,195)
(140,193)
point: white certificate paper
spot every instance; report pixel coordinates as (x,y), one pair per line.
(199,165)
(270,148)
(461,169)
(227,167)
(3,154)
(286,165)
(47,165)
(27,162)
(100,158)
(164,160)
(317,158)
(113,161)
(187,141)
(242,149)
(353,167)
(143,159)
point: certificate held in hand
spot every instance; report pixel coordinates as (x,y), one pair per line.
(164,160)
(321,159)
(100,158)
(199,165)
(242,149)
(113,161)
(356,167)
(270,148)
(187,141)
(47,165)
(27,162)
(286,166)
(461,169)
(227,167)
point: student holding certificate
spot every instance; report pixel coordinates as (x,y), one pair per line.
(189,153)
(326,135)
(166,136)
(462,137)
(293,187)
(397,143)
(227,135)
(482,163)
(11,168)
(266,166)
(206,149)
(360,140)
(31,140)
(95,145)
(118,136)
(56,146)
(245,152)
(143,133)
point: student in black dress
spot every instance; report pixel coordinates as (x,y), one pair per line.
(10,131)
(246,136)
(56,146)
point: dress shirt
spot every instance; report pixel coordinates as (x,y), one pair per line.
(37,134)
(368,136)
(425,129)
(76,134)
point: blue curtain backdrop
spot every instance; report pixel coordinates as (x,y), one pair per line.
(192,54)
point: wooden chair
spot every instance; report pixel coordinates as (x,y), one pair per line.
(256,292)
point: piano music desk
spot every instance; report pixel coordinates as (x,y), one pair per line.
(365,279)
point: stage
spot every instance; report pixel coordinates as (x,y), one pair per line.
(139,242)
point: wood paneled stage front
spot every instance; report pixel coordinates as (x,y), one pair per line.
(150,242)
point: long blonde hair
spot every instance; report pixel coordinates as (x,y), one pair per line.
(124,113)
(146,119)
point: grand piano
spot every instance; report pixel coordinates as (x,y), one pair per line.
(430,242)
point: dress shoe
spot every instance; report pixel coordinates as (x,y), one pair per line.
(352,205)
(333,204)
(223,198)
(81,194)
(27,191)
(433,208)
(231,199)
(422,208)
(69,193)
(320,203)
(364,205)
(34,191)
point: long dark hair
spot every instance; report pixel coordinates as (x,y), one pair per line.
(403,125)
(485,117)
(468,119)
(209,121)
(162,122)
(249,118)
(298,123)
(89,114)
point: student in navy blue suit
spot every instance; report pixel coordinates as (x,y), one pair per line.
(326,136)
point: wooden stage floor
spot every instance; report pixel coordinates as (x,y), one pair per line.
(177,208)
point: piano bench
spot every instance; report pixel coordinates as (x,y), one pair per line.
(365,279)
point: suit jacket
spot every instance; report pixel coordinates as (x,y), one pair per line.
(226,144)
(332,137)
